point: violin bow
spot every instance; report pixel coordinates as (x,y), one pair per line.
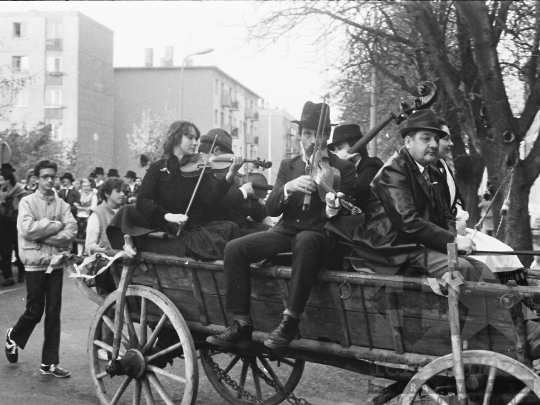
(322,122)
(198,182)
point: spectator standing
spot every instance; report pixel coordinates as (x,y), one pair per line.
(92,179)
(113,173)
(86,203)
(46,228)
(11,194)
(100,176)
(31,183)
(131,190)
(68,192)
(138,181)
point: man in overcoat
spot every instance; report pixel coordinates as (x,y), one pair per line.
(298,230)
(406,224)
(68,192)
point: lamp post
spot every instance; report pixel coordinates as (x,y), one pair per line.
(204,51)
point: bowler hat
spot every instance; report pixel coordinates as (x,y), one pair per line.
(224,139)
(67,175)
(423,119)
(113,173)
(343,132)
(311,114)
(92,175)
(7,168)
(131,174)
(99,171)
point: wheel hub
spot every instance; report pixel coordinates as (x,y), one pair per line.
(131,364)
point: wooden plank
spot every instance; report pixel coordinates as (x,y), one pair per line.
(366,320)
(219,300)
(345,338)
(520,334)
(381,391)
(198,295)
(125,280)
(394,318)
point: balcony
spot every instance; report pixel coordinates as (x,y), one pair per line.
(234,105)
(249,113)
(53,78)
(225,99)
(53,44)
(53,113)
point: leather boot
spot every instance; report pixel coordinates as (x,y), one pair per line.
(284,334)
(234,333)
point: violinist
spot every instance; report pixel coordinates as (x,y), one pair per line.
(298,230)
(240,204)
(166,193)
(343,138)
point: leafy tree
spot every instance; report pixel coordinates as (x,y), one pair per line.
(469,49)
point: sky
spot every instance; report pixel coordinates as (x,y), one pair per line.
(285,74)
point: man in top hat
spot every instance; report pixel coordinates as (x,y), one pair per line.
(344,137)
(406,223)
(68,192)
(100,176)
(131,190)
(239,203)
(298,230)
(92,180)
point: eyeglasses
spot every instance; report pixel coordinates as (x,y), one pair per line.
(48,176)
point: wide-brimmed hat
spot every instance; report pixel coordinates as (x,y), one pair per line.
(92,175)
(67,175)
(423,119)
(343,132)
(130,174)
(311,114)
(99,170)
(113,173)
(224,139)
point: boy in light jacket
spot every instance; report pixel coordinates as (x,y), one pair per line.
(46,227)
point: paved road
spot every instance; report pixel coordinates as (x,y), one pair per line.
(22,384)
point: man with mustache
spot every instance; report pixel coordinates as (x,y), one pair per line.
(407,224)
(298,231)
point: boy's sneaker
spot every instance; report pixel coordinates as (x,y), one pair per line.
(12,350)
(54,370)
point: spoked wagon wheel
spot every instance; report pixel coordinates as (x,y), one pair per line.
(242,369)
(491,378)
(157,359)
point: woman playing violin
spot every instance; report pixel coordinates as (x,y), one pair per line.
(166,193)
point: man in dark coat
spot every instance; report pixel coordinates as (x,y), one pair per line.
(344,137)
(131,190)
(68,192)
(406,223)
(299,230)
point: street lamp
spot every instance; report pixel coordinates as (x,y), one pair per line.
(204,51)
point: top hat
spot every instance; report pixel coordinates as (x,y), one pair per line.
(423,119)
(113,173)
(99,170)
(67,175)
(311,114)
(6,167)
(224,139)
(343,132)
(131,174)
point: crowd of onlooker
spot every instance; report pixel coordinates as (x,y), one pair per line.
(93,201)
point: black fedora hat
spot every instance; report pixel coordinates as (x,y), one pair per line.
(67,175)
(113,173)
(311,114)
(131,174)
(423,119)
(224,139)
(92,175)
(99,170)
(343,132)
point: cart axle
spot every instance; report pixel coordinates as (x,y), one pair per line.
(131,364)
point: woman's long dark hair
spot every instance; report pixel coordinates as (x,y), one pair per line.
(175,133)
(10,177)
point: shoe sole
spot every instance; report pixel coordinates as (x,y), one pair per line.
(54,375)
(274,346)
(216,342)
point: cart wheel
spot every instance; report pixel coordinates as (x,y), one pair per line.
(284,372)
(514,380)
(88,287)
(157,354)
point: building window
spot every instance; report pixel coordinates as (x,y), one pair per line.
(54,29)
(20,64)
(217,86)
(54,64)
(230,119)
(216,117)
(56,132)
(53,98)
(21,99)
(222,120)
(20,30)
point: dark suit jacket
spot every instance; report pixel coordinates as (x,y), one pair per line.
(295,220)
(365,172)
(128,193)
(71,198)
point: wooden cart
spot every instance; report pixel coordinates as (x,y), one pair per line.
(155,324)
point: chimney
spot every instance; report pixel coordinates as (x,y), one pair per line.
(148,57)
(169,56)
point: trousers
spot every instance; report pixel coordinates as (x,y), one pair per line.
(44,294)
(308,252)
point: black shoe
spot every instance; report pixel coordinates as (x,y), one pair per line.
(55,371)
(12,350)
(284,334)
(8,282)
(233,334)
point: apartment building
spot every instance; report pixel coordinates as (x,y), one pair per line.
(62,62)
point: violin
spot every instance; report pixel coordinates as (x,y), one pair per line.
(195,163)
(258,182)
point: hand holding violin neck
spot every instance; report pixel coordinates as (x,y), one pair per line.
(237,163)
